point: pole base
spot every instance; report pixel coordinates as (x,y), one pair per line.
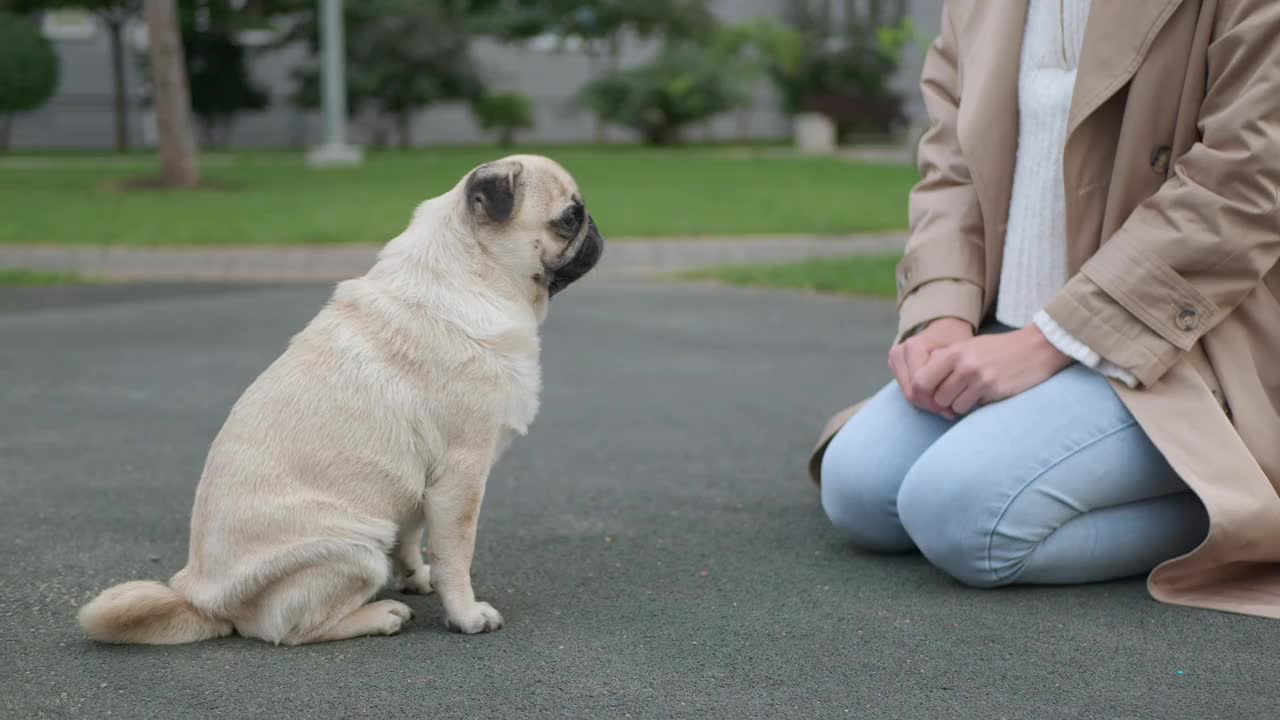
(332,155)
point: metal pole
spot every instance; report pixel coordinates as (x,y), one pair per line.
(335,96)
(333,90)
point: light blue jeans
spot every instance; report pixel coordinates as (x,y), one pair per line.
(1056,485)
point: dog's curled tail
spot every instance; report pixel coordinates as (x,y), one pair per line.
(150,613)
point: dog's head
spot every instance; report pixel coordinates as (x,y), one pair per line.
(527,214)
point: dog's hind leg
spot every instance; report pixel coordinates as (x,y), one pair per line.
(325,602)
(384,617)
(412,575)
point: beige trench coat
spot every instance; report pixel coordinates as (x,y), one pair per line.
(1172,175)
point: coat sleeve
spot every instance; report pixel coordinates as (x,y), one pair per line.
(1194,250)
(941,274)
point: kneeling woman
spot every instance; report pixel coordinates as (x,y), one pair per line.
(1088,365)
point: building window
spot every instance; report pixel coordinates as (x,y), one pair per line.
(553,43)
(68,24)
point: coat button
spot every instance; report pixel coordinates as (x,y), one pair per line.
(1188,319)
(1160,159)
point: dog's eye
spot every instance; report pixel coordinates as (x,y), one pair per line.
(571,221)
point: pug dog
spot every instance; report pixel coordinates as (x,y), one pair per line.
(380,421)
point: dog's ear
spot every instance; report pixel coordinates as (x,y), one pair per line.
(491,190)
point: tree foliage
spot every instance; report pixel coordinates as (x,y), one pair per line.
(28,70)
(217,64)
(28,65)
(402,56)
(217,68)
(504,113)
(692,81)
(684,85)
(851,57)
(112,14)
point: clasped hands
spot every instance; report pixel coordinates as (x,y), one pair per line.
(946,370)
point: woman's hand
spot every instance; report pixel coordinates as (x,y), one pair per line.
(988,369)
(909,356)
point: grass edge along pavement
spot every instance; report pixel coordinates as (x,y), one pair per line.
(858,276)
(327,263)
(20,277)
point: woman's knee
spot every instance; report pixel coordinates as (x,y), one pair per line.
(859,495)
(946,512)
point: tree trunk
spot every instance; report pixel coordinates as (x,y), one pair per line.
(6,124)
(172,97)
(119,94)
(876,12)
(899,11)
(615,51)
(506,137)
(663,135)
(599,131)
(215,132)
(744,125)
(404,130)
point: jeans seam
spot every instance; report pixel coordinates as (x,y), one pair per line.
(1039,474)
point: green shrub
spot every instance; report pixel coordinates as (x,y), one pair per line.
(28,70)
(218,70)
(846,68)
(506,113)
(685,85)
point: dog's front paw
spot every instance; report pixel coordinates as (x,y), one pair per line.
(418,583)
(480,617)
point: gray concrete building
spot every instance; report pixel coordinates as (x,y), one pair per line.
(80,114)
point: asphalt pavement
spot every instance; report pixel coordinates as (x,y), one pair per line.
(653,544)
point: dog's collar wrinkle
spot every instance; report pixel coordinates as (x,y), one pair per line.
(456,302)
(572,251)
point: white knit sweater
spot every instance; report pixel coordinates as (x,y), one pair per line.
(1035,251)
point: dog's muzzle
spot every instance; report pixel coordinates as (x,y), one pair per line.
(577,260)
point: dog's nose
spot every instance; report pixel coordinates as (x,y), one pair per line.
(588,254)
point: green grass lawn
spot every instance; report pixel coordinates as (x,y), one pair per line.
(861,276)
(272,198)
(13,277)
